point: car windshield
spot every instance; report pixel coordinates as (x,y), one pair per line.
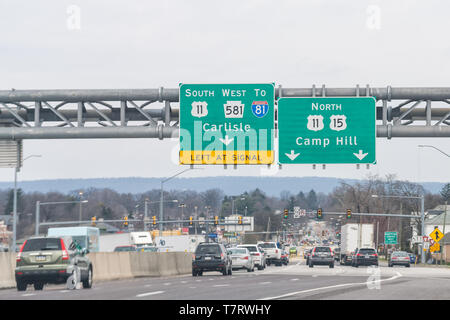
(208,249)
(400,254)
(42,244)
(237,251)
(267,245)
(322,249)
(125,248)
(149,249)
(367,251)
(250,248)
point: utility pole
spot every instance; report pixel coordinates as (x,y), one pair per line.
(443,259)
(145,213)
(268,228)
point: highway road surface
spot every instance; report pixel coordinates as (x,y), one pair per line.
(295,281)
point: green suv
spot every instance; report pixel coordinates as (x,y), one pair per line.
(46,260)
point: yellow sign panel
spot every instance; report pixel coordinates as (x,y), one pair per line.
(226,157)
(436,235)
(435,247)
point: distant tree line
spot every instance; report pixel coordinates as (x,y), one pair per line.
(266,210)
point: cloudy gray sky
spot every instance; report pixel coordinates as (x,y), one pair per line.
(147,44)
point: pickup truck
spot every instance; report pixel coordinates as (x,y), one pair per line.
(272,252)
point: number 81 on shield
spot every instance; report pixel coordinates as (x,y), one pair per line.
(260,108)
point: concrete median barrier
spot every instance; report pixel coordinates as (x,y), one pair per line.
(116,265)
(7,266)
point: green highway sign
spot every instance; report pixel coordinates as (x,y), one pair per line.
(227,123)
(390,237)
(326,130)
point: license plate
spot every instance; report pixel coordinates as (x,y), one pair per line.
(367,256)
(41,258)
(207,258)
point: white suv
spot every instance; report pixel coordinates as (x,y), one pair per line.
(273,253)
(257,255)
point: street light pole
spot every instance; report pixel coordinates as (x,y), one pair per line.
(15,210)
(145,214)
(161,208)
(38,210)
(16,170)
(81,196)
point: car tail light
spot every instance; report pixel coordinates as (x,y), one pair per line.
(246,258)
(65,254)
(193,257)
(256,254)
(359,254)
(276,251)
(375,255)
(221,256)
(19,255)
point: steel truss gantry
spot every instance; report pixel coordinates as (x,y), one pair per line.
(154,113)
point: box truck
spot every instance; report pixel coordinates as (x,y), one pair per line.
(353,236)
(86,237)
(181,243)
(108,242)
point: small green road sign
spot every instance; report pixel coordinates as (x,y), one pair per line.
(390,237)
(227,123)
(327,130)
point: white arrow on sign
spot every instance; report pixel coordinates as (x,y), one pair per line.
(292,155)
(226,141)
(360,155)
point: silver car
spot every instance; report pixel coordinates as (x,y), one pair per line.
(257,254)
(241,259)
(399,258)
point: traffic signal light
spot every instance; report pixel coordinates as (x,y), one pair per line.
(349,213)
(319,213)
(240,219)
(216,220)
(154,220)
(126,221)
(93,221)
(286,213)
(190,220)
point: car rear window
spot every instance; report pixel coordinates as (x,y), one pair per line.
(43,244)
(322,249)
(238,251)
(208,249)
(250,248)
(367,251)
(400,254)
(267,245)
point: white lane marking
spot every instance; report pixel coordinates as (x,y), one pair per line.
(148,285)
(148,294)
(315,275)
(167,283)
(265,282)
(28,294)
(64,291)
(330,287)
(221,285)
(183,281)
(294,279)
(198,280)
